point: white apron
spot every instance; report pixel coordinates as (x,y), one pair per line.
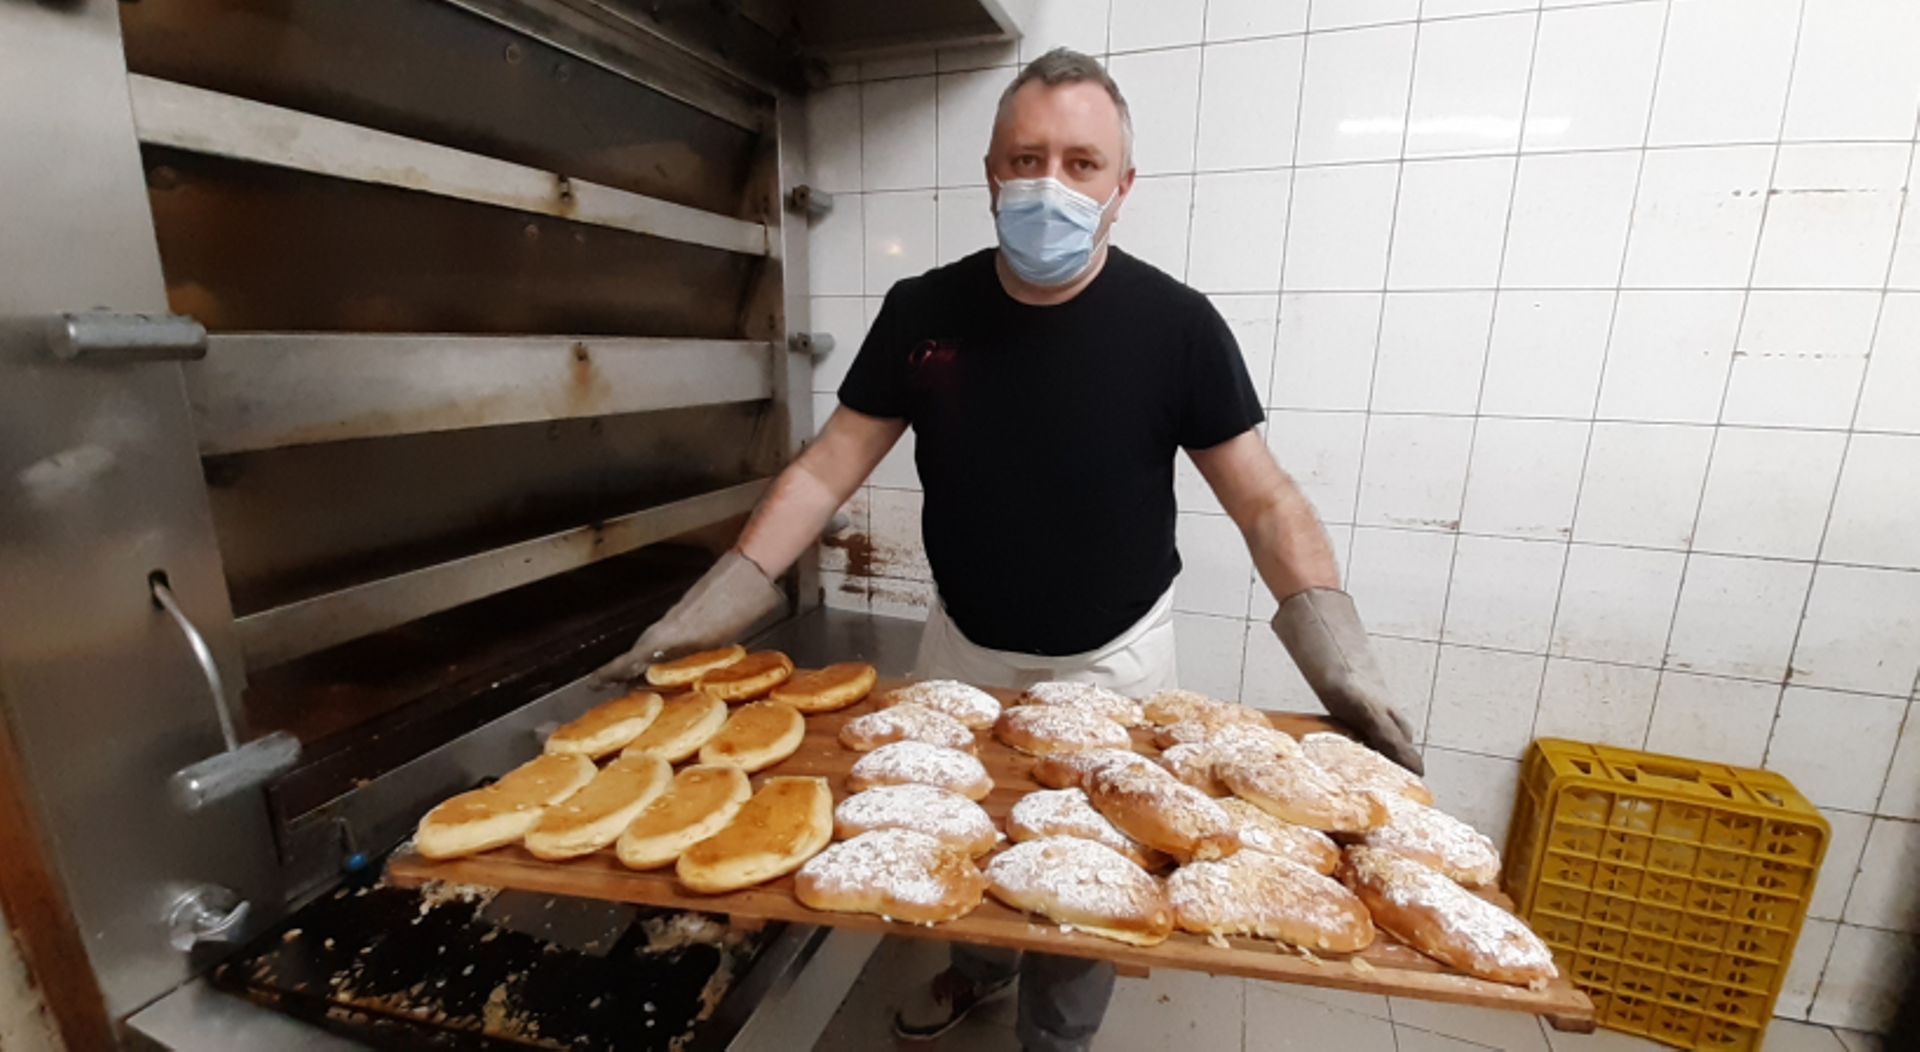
(1139,662)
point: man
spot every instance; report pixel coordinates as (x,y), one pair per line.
(1050,382)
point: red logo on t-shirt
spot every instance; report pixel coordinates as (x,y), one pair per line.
(936,353)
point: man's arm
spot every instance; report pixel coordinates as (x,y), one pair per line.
(1316,621)
(739,589)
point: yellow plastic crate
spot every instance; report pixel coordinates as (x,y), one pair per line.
(1671,890)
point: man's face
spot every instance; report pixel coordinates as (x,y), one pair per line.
(1071,132)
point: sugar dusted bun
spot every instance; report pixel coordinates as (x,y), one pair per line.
(896,873)
(1437,840)
(1445,921)
(1260,831)
(1071,770)
(787,822)
(1163,813)
(1170,707)
(1268,897)
(1295,789)
(1362,768)
(948,817)
(607,728)
(905,722)
(749,677)
(1192,763)
(595,816)
(903,763)
(827,689)
(501,813)
(970,705)
(686,671)
(685,723)
(756,736)
(1087,885)
(1068,812)
(1087,698)
(1040,730)
(699,803)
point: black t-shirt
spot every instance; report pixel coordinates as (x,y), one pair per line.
(1045,440)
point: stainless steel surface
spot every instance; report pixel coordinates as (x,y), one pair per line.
(103,336)
(202,656)
(205,913)
(239,769)
(844,29)
(283,632)
(208,122)
(198,1018)
(271,390)
(824,636)
(793,373)
(100,486)
(794,1012)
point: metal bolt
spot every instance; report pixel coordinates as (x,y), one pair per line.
(513,53)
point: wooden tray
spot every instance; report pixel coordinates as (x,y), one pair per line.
(1386,967)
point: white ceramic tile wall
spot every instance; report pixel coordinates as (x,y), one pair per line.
(1592,328)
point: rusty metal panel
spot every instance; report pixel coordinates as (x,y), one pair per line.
(247,247)
(428,70)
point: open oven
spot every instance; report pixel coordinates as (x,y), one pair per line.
(369,373)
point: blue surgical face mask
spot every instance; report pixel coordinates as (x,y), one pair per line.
(1048,232)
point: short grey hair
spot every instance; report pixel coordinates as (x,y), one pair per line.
(1066,66)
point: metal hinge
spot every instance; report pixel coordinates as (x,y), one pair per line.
(805,200)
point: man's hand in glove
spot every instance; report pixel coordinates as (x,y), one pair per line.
(717,610)
(1322,630)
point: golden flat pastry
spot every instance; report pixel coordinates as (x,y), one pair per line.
(700,802)
(787,822)
(501,813)
(749,677)
(686,671)
(593,817)
(756,736)
(607,728)
(685,723)
(827,689)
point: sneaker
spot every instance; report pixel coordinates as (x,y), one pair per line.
(941,1004)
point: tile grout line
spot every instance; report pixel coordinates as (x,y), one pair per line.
(1600,379)
(1480,392)
(1380,316)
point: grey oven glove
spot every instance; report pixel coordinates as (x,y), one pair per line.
(716,611)
(1322,630)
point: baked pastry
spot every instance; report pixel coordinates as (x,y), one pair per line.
(686,671)
(501,813)
(1042,729)
(700,802)
(756,736)
(685,723)
(749,677)
(595,816)
(1268,897)
(903,763)
(1085,885)
(1247,739)
(1444,920)
(1295,789)
(1068,812)
(970,705)
(787,822)
(1182,706)
(908,722)
(1260,831)
(1163,813)
(1087,698)
(1438,840)
(1064,770)
(1192,763)
(607,728)
(1362,768)
(827,689)
(899,874)
(945,815)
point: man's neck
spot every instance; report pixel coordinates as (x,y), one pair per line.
(1033,295)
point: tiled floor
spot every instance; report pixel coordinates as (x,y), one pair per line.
(1188,1012)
